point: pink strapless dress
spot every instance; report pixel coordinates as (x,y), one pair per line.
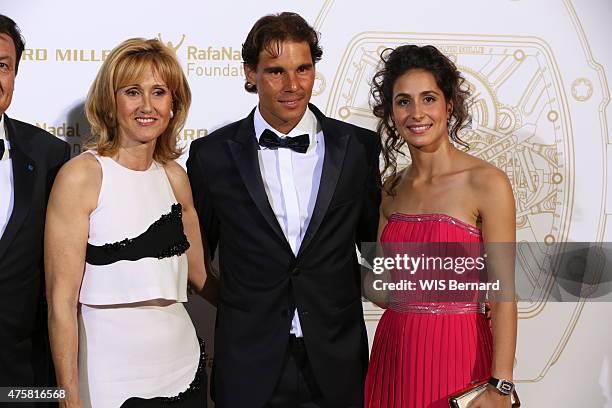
(420,357)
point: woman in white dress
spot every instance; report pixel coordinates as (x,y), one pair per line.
(122,242)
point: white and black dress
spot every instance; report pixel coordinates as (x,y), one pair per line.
(137,344)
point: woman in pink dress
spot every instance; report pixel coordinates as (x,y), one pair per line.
(425,351)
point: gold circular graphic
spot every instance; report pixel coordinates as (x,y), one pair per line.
(549,239)
(553,116)
(557,178)
(344,112)
(506,119)
(519,55)
(582,89)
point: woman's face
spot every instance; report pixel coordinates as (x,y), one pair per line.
(420,111)
(143,110)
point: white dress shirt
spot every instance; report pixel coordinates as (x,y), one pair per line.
(7,194)
(291,181)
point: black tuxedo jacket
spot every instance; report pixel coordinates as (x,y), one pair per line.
(24,352)
(262,281)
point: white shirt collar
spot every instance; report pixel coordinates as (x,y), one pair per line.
(3,136)
(307,125)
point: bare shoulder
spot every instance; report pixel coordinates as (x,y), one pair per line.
(486,178)
(490,187)
(494,201)
(178,180)
(79,180)
(175,170)
(482,176)
(81,171)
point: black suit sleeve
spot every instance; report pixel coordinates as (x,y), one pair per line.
(62,158)
(368,219)
(66,153)
(209,224)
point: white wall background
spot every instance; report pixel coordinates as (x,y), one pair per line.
(540,69)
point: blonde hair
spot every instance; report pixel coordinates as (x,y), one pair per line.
(125,65)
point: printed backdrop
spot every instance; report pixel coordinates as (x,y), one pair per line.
(539,71)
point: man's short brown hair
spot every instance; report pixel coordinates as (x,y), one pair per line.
(271,30)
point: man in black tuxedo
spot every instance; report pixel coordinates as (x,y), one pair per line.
(286,193)
(29,160)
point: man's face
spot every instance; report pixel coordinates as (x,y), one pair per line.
(7,71)
(284,84)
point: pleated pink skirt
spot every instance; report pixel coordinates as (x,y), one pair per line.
(419,359)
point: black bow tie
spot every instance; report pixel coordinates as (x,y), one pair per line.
(272,141)
(1,148)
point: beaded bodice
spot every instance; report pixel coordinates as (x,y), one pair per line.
(430,227)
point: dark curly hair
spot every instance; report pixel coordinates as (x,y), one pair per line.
(395,63)
(271,30)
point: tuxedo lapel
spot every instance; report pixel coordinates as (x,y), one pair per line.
(244,149)
(24,176)
(336,143)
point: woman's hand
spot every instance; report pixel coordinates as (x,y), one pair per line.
(491,398)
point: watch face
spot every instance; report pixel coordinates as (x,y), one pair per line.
(505,387)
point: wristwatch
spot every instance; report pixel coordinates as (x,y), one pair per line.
(504,386)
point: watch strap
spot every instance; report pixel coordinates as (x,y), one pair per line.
(504,386)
